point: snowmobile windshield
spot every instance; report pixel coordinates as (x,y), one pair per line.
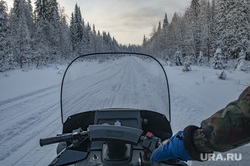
(114,80)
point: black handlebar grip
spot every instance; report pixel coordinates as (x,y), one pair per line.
(57,139)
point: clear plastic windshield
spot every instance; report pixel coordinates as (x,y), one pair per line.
(114,81)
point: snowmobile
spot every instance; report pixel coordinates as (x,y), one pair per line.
(115,110)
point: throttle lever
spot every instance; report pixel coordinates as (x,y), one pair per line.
(150,141)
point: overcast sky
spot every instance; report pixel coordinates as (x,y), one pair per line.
(127,20)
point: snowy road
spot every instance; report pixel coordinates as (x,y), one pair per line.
(124,83)
(33,115)
(24,120)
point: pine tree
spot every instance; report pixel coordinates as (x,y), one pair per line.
(218,60)
(42,37)
(194,18)
(232,27)
(159,28)
(55,30)
(65,40)
(20,33)
(174,35)
(42,10)
(4,57)
(205,22)
(38,10)
(30,18)
(241,61)
(200,60)
(178,58)
(94,39)
(99,41)
(165,21)
(77,30)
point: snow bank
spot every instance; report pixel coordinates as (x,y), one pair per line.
(20,82)
(197,94)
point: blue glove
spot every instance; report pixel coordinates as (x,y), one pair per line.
(172,148)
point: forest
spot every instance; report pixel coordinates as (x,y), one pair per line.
(208,32)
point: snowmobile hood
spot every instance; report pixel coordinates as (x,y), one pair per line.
(114,80)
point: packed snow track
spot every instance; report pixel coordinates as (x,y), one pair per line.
(26,119)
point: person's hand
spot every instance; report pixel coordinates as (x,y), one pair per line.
(172,148)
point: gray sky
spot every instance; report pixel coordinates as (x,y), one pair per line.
(127,20)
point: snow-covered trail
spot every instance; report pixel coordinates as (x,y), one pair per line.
(125,83)
(26,119)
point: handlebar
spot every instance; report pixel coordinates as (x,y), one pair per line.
(107,133)
(75,135)
(57,139)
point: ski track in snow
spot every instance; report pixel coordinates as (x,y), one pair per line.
(25,119)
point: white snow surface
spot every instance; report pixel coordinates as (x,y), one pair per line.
(30,109)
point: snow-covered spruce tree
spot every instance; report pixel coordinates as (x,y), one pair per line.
(20,33)
(30,18)
(4,57)
(186,67)
(104,41)
(200,60)
(163,38)
(55,30)
(165,21)
(44,52)
(77,30)
(188,40)
(241,62)
(187,63)
(205,19)
(218,60)
(232,27)
(222,75)
(212,25)
(65,41)
(99,41)
(174,35)
(195,25)
(178,60)
(87,39)
(109,42)
(94,39)
(115,45)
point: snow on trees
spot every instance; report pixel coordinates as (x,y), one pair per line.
(222,75)
(218,60)
(20,33)
(205,26)
(232,27)
(187,67)
(4,58)
(165,21)
(178,59)
(200,60)
(76,29)
(44,36)
(241,62)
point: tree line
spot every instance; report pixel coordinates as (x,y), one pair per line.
(204,29)
(41,36)
(208,31)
